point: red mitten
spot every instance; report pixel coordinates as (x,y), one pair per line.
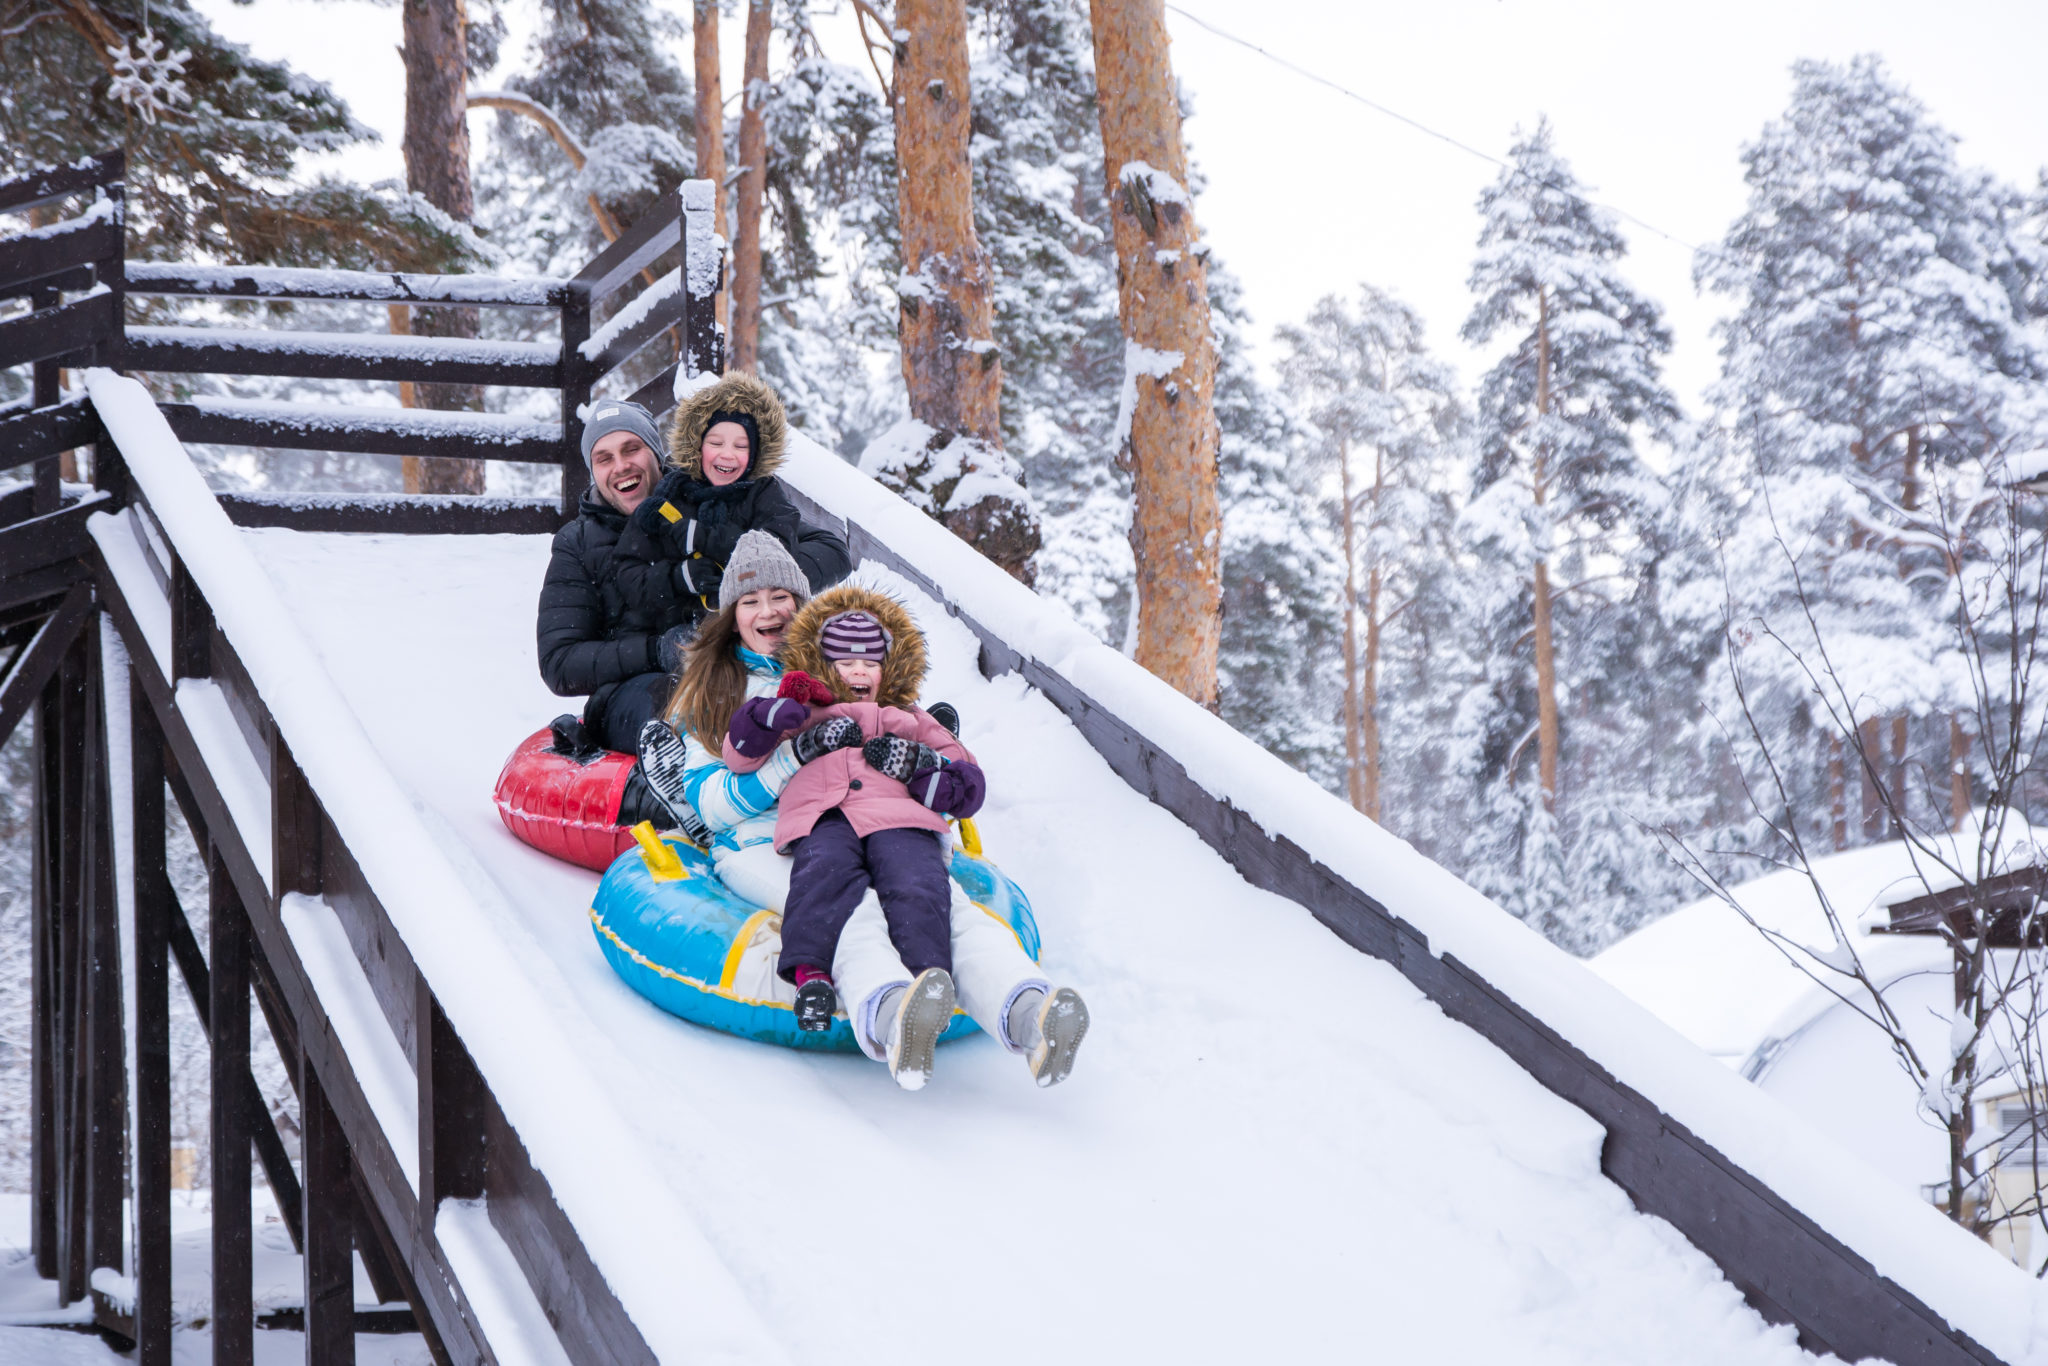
(804,688)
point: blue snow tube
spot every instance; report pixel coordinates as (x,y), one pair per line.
(676,934)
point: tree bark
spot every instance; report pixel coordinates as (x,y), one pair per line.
(1546,644)
(437,168)
(1172,440)
(1870,743)
(753,186)
(1838,796)
(947,324)
(1958,775)
(1354,728)
(711,123)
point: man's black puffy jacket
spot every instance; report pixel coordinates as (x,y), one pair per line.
(591,637)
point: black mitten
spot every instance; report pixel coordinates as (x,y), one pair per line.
(841,732)
(699,578)
(892,756)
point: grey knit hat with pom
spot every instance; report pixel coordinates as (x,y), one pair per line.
(761,561)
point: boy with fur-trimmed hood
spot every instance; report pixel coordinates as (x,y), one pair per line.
(727,441)
(871,812)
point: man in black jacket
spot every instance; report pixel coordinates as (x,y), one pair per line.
(592,640)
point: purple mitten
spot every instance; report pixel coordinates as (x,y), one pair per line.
(955,791)
(761,722)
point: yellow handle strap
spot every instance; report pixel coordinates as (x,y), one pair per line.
(970,837)
(663,863)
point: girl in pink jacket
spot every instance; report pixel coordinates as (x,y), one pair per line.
(871,814)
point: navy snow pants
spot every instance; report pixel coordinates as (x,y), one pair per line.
(631,706)
(835,867)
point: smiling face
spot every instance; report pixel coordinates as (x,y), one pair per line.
(726,453)
(623,469)
(762,617)
(861,676)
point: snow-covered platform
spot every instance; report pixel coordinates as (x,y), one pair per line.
(1273,1145)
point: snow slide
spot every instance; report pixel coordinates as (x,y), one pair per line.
(1272,1145)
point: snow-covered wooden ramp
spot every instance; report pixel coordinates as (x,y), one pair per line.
(1446,1147)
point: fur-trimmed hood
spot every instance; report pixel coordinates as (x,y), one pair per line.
(734,394)
(902,668)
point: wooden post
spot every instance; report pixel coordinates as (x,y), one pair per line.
(703,281)
(191,626)
(575,397)
(228,969)
(154,905)
(104,1058)
(44,381)
(69,980)
(451,1111)
(327,1211)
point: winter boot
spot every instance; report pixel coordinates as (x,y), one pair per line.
(947,715)
(922,1012)
(1049,1029)
(661,767)
(638,803)
(569,737)
(815,999)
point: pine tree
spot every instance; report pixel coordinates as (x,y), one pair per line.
(1386,425)
(1562,518)
(214,137)
(1880,342)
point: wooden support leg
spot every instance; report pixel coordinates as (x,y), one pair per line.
(106,1027)
(71,982)
(233,1310)
(329,1207)
(43,1068)
(154,904)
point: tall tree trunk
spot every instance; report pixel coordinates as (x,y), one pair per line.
(1870,744)
(1545,641)
(1958,774)
(1897,774)
(1838,796)
(753,186)
(711,124)
(437,168)
(1354,728)
(950,363)
(1171,440)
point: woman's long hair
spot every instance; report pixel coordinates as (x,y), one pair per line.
(714,681)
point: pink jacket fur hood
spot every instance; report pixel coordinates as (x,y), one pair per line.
(843,779)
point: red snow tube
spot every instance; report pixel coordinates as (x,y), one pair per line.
(565,806)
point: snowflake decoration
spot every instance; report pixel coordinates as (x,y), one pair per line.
(147,79)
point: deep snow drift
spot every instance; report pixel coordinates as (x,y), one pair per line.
(1271,1144)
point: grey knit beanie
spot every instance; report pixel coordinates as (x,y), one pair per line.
(621,415)
(761,561)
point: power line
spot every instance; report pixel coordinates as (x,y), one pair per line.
(1427,131)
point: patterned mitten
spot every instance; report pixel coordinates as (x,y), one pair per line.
(955,791)
(892,756)
(841,732)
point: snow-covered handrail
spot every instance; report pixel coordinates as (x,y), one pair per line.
(296,282)
(1805,1229)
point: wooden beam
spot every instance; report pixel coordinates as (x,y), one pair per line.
(170,278)
(105,1027)
(32,188)
(234,1315)
(329,1265)
(368,431)
(453,1102)
(191,626)
(39,660)
(371,357)
(58,248)
(66,331)
(658,230)
(47,540)
(577,375)
(36,433)
(396,514)
(155,905)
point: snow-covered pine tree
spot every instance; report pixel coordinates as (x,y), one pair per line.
(1385,427)
(1560,523)
(1881,339)
(214,139)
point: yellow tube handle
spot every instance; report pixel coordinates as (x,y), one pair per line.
(970,837)
(663,863)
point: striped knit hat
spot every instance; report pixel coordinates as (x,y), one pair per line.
(853,635)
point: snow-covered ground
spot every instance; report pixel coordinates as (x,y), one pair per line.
(1272,1145)
(28,1305)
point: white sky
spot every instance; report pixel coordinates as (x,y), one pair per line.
(1310,193)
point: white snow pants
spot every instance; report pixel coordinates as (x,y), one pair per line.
(990,968)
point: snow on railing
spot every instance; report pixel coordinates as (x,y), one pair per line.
(678,1292)
(297,282)
(1923,1253)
